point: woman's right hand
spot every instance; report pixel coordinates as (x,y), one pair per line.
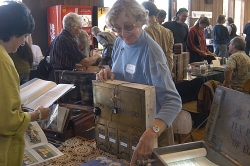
(44,111)
(104,75)
(203,53)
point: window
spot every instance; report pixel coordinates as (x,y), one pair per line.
(109,3)
(239,16)
(1,1)
(182,4)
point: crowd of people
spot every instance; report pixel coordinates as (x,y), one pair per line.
(136,54)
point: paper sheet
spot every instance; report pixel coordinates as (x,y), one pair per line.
(183,155)
(200,161)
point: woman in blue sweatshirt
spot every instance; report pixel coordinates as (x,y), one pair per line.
(221,37)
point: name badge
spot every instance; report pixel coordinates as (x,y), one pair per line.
(130,68)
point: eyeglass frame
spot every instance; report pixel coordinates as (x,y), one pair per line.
(119,31)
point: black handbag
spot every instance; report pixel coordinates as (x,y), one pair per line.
(106,53)
(44,68)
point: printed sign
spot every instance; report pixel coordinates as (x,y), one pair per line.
(197,14)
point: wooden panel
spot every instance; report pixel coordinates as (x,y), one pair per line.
(125,108)
(38,9)
(199,5)
(246,12)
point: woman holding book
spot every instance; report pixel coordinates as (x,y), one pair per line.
(13,121)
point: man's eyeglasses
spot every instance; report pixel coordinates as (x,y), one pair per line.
(126,27)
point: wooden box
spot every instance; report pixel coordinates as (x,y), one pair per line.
(178,67)
(180,62)
(186,58)
(81,122)
(82,93)
(76,125)
(227,136)
(58,136)
(127,109)
(178,48)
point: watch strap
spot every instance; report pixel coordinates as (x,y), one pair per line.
(39,114)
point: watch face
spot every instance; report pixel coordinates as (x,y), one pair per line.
(156,129)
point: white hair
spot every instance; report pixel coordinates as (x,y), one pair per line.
(71,20)
(130,6)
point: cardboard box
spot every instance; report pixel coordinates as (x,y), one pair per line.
(227,136)
(127,109)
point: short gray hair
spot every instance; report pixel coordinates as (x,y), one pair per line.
(95,30)
(129,6)
(71,20)
(239,43)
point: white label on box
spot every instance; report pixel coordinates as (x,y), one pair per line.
(112,140)
(101,136)
(133,147)
(123,144)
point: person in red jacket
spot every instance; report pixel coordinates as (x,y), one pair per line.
(197,42)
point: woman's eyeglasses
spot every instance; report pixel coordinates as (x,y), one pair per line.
(126,27)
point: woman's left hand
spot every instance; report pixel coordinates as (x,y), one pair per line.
(144,148)
(213,54)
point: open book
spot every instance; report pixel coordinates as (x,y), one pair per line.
(195,157)
(39,92)
(37,148)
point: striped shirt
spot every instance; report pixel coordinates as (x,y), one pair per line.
(64,53)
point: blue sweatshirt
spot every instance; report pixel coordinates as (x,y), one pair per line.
(221,35)
(144,62)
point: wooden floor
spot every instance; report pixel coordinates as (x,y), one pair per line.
(198,135)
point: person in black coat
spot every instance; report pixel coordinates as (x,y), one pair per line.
(247,39)
(179,28)
(232,29)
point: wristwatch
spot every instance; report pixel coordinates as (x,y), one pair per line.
(39,114)
(156,129)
